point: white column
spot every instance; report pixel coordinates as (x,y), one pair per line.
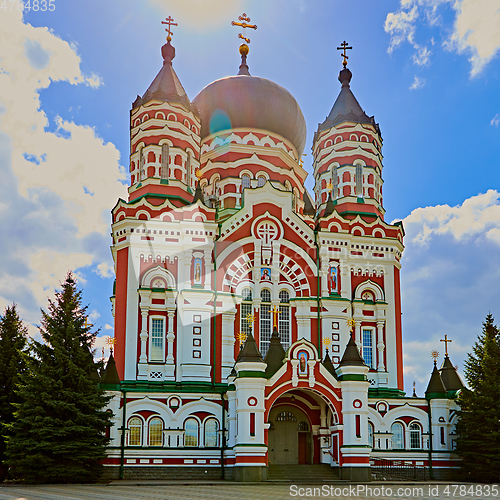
(170,337)
(209,266)
(380,346)
(345,281)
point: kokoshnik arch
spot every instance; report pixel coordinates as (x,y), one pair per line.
(256,324)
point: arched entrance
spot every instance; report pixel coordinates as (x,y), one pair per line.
(289,436)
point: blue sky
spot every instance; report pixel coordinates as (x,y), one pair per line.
(427,69)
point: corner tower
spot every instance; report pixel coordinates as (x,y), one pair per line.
(347,152)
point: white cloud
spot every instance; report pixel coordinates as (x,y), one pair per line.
(418,83)
(104,270)
(495,121)
(475,30)
(57,186)
(450,280)
(478,215)
(108,327)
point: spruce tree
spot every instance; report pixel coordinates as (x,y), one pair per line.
(478,427)
(59,431)
(13,343)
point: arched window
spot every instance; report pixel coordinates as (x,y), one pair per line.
(156,432)
(245,181)
(284,319)
(261,181)
(191,432)
(398,439)
(245,310)
(135,431)
(157,339)
(211,428)
(415,436)
(370,435)
(265,321)
(335,183)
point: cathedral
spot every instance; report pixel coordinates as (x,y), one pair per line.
(257,324)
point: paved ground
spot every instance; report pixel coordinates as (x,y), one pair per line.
(163,490)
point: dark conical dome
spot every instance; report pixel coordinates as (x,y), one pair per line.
(327,363)
(351,355)
(250,352)
(435,383)
(166,86)
(346,107)
(275,354)
(449,376)
(250,102)
(111,373)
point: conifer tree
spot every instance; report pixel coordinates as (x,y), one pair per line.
(478,427)
(13,343)
(59,431)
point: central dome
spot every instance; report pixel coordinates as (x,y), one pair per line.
(245,101)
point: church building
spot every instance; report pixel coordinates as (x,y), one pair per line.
(257,324)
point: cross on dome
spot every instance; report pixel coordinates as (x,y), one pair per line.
(169,20)
(446,341)
(344,47)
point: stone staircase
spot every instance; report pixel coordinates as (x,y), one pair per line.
(311,474)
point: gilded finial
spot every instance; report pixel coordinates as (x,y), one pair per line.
(301,160)
(344,47)
(434,355)
(275,312)
(198,173)
(244,21)
(111,341)
(241,337)
(446,341)
(250,319)
(327,342)
(170,23)
(87,324)
(351,323)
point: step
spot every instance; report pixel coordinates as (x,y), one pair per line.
(303,473)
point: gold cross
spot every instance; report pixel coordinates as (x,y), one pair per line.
(241,336)
(111,341)
(198,173)
(170,23)
(351,323)
(87,324)
(329,186)
(344,47)
(250,319)
(434,355)
(445,340)
(245,19)
(301,160)
(275,312)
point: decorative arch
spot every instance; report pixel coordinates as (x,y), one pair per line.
(353,137)
(160,116)
(378,233)
(369,286)
(338,139)
(172,116)
(157,272)
(120,215)
(358,228)
(142,212)
(145,117)
(334,227)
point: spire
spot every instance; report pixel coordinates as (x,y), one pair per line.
(327,363)
(243,22)
(435,383)
(346,107)
(330,207)
(198,194)
(111,373)
(351,355)
(166,86)
(250,351)
(243,70)
(275,354)
(449,376)
(308,205)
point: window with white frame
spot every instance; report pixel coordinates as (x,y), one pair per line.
(335,183)
(165,152)
(157,339)
(245,310)
(370,435)
(135,431)
(191,432)
(415,436)
(284,319)
(398,439)
(156,432)
(211,428)
(261,180)
(367,349)
(265,321)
